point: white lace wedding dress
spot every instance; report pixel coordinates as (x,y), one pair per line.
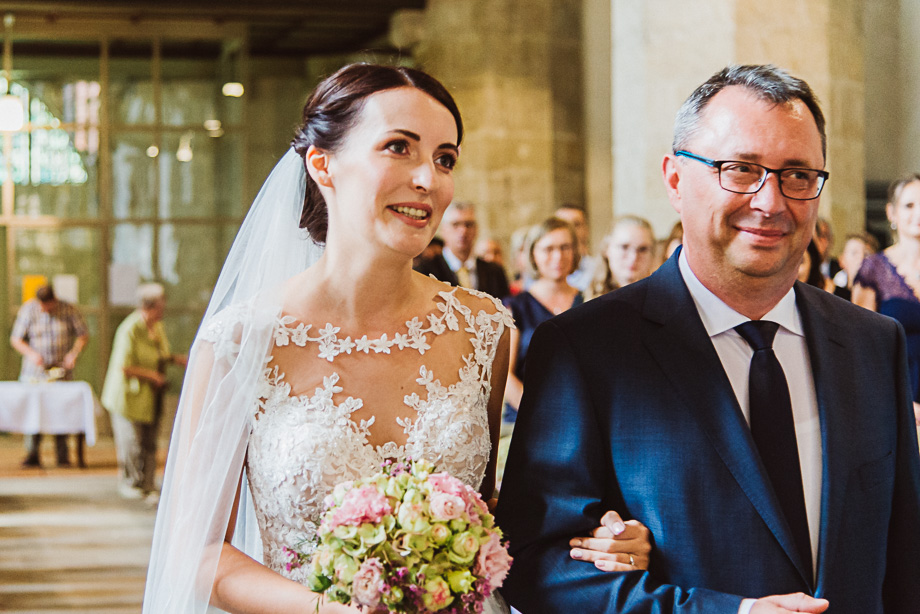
(312,426)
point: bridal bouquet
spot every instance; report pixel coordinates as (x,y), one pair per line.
(408,540)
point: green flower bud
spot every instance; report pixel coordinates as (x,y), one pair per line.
(460,580)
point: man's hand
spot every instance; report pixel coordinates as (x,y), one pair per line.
(615,545)
(70,361)
(794,603)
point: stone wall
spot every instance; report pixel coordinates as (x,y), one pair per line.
(514,67)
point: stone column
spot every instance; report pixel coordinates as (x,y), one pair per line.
(514,67)
(663,49)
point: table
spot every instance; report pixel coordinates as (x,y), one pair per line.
(52,408)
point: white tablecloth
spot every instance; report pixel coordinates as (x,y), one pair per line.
(54,408)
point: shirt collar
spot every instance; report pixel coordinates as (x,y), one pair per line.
(718,317)
(454,262)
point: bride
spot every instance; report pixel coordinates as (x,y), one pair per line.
(313,366)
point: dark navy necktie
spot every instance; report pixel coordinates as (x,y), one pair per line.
(773,429)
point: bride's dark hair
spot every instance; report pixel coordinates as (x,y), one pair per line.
(334,108)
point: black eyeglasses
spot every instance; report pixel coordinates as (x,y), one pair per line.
(747,178)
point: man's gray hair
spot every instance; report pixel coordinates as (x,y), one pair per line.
(766,81)
(462,205)
(149,294)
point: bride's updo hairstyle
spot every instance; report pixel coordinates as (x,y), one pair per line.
(334,108)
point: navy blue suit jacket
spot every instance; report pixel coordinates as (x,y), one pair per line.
(627,407)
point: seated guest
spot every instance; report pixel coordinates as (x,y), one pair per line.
(889,282)
(520,274)
(810,269)
(855,250)
(577,216)
(457,265)
(627,255)
(552,254)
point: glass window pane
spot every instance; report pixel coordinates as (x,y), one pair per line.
(134,175)
(55,157)
(189,261)
(200,176)
(132,249)
(191,89)
(59,251)
(131,83)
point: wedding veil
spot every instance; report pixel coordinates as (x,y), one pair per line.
(217,401)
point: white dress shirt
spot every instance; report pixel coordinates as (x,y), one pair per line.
(455,263)
(791,351)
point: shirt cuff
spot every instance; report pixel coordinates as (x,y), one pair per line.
(746,606)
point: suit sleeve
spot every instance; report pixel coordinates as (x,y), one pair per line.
(902,574)
(558,482)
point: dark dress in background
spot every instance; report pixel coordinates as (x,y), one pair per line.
(528,313)
(895,298)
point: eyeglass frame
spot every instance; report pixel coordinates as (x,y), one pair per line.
(717,164)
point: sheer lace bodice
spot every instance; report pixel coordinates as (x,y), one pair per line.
(302,445)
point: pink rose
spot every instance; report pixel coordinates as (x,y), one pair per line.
(444,482)
(446,507)
(367,584)
(493,562)
(360,505)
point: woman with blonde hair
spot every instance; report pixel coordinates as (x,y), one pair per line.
(551,249)
(889,282)
(627,255)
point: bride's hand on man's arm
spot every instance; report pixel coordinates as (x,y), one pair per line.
(616,545)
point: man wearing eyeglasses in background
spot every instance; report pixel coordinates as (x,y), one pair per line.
(760,428)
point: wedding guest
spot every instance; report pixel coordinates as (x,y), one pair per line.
(457,264)
(50,334)
(627,255)
(577,216)
(824,241)
(133,391)
(520,273)
(552,255)
(490,250)
(433,250)
(810,269)
(889,282)
(856,248)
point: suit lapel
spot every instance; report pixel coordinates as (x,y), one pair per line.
(679,342)
(834,378)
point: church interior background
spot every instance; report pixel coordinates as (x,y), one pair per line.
(135,133)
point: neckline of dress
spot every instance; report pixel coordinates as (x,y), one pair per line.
(439,319)
(900,276)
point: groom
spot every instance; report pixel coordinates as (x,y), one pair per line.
(767,459)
